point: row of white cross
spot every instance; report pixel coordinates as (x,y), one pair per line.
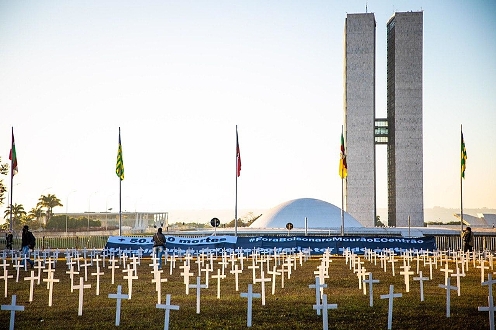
(262,262)
(355,263)
(259,262)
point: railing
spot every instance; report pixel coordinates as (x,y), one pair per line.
(57,242)
(443,242)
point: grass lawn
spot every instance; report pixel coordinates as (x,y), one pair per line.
(289,308)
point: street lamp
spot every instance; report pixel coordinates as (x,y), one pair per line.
(66,208)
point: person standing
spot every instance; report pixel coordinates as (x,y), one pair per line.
(468,240)
(159,246)
(27,244)
(9,239)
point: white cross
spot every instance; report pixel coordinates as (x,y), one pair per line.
(430,262)
(39,266)
(448,288)
(250,295)
(4,264)
(50,280)
(97,274)
(482,267)
(186,275)
(31,284)
(81,288)
(288,263)
(129,277)
(5,277)
(198,286)
(236,273)
(85,265)
(17,266)
(168,307)
(274,273)
(407,272)
(446,272)
(262,280)
(254,268)
(71,273)
(119,296)
(324,307)
(12,308)
(371,282)
(207,270)
(319,289)
(219,276)
(241,258)
(490,307)
(172,263)
(361,273)
(458,275)
(421,280)
(390,296)
(113,266)
(392,260)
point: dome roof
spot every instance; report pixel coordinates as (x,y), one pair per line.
(319,214)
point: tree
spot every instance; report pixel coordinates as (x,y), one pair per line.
(4,170)
(49,202)
(35,217)
(18,215)
(35,213)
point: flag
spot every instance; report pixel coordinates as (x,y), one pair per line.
(13,156)
(464,157)
(119,167)
(343,167)
(238,157)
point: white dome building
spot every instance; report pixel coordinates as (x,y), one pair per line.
(319,214)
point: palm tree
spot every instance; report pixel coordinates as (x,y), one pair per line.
(49,202)
(35,216)
(18,214)
(35,213)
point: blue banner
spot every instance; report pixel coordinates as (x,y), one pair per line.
(268,244)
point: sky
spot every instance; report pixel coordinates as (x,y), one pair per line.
(178,76)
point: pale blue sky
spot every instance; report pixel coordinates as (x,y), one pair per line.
(177,76)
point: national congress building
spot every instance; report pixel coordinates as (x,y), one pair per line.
(401,131)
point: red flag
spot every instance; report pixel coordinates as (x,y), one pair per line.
(13,156)
(343,167)
(238,157)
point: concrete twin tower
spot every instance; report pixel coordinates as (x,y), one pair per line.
(401,131)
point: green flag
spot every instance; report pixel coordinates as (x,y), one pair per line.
(464,158)
(119,167)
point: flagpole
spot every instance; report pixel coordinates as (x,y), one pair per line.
(461,182)
(120,191)
(236,199)
(342,196)
(11,177)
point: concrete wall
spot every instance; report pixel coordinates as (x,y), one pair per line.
(359,111)
(404,103)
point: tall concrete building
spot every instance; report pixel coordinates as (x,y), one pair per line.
(401,131)
(359,103)
(404,111)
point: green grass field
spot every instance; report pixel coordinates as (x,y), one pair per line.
(289,308)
